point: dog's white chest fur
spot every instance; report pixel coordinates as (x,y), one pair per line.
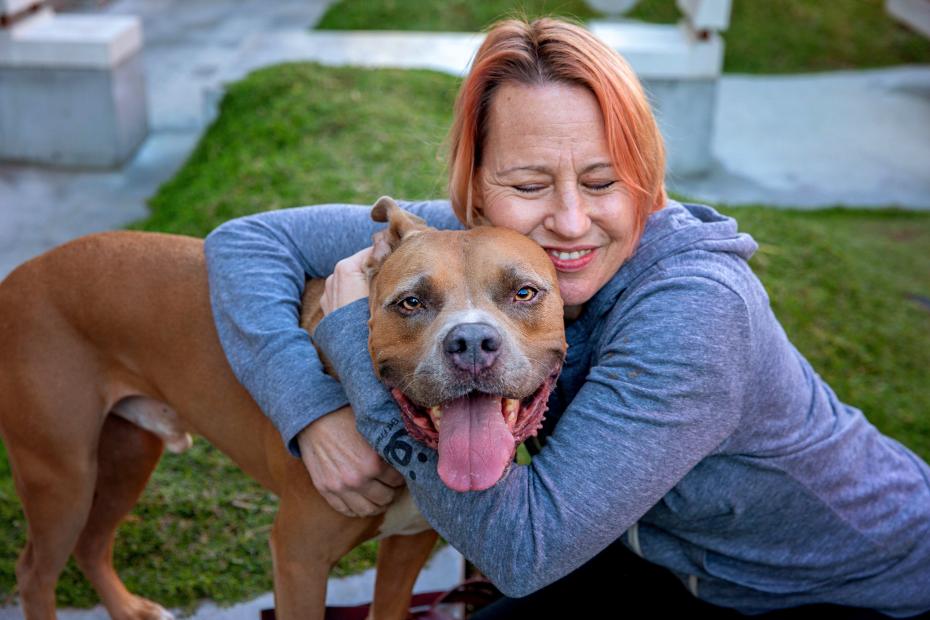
(402,518)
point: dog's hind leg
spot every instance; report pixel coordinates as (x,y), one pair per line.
(54,471)
(126,456)
(400,559)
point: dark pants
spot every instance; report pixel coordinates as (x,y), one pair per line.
(618,579)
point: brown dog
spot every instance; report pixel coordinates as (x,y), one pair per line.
(109,354)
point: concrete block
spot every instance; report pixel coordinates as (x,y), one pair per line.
(913,13)
(72,90)
(706,14)
(72,117)
(663,51)
(612,8)
(679,71)
(685,111)
(78,41)
(12,7)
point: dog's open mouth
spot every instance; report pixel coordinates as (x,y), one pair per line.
(476,435)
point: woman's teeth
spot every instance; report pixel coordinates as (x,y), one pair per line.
(569,255)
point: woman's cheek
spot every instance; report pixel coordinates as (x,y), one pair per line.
(510,212)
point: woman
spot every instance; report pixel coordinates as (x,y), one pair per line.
(689,431)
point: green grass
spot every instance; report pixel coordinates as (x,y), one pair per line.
(303,134)
(787,36)
(299,134)
(441,15)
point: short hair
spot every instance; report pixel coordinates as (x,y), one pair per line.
(544,51)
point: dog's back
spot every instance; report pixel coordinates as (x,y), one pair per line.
(117,318)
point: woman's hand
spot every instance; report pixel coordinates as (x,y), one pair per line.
(348,282)
(347,472)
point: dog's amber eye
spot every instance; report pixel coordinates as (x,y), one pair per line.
(410,304)
(525,293)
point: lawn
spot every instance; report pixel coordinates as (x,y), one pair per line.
(787,36)
(302,134)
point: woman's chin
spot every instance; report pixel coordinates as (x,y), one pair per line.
(573,305)
(575,294)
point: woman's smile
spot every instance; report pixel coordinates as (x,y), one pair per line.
(571,259)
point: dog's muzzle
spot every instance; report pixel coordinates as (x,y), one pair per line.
(477,434)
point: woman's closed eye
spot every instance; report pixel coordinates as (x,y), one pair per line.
(532,188)
(528,188)
(599,186)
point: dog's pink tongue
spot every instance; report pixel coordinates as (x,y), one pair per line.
(475,444)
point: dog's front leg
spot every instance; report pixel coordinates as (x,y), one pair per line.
(400,559)
(307,539)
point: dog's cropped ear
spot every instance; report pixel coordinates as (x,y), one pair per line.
(401,225)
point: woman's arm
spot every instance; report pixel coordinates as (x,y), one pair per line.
(664,393)
(257,267)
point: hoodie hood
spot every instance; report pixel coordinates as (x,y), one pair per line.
(675,229)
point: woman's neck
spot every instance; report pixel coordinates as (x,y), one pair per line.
(572,312)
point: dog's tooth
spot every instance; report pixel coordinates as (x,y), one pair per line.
(435,414)
(421,422)
(511,408)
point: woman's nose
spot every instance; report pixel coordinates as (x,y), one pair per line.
(569,216)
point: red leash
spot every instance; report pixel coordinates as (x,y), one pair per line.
(474,593)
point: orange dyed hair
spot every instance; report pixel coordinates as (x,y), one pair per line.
(548,50)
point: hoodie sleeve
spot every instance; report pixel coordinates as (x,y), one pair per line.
(665,391)
(257,267)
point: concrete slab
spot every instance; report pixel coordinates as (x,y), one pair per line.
(449,52)
(656,51)
(70,41)
(444,571)
(857,138)
(79,118)
(663,51)
(12,7)
(41,208)
(913,13)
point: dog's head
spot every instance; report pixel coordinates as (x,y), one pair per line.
(467,331)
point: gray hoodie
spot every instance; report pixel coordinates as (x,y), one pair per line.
(684,423)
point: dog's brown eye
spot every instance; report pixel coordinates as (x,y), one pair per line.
(525,293)
(410,304)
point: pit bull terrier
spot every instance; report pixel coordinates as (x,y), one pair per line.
(109,355)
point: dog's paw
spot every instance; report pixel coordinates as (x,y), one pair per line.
(143,609)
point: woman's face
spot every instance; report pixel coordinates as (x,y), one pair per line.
(546,173)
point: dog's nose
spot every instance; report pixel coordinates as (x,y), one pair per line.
(472,346)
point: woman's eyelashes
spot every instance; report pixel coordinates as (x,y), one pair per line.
(593,186)
(597,187)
